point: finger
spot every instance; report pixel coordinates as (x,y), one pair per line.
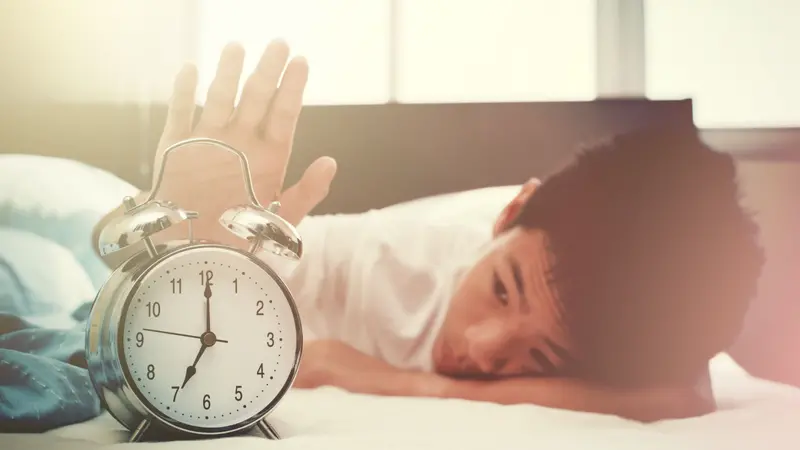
(222,91)
(300,199)
(261,86)
(180,112)
(282,116)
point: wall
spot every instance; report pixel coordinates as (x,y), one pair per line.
(92,50)
(770,343)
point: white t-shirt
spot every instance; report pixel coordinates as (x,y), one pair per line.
(381,281)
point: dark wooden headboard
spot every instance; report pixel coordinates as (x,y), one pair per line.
(396,152)
(386,153)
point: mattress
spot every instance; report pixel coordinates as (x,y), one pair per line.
(753,414)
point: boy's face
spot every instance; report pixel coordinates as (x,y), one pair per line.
(503,318)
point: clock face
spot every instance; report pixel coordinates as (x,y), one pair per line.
(209,339)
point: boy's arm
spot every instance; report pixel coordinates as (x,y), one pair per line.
(644,405)
(337,364)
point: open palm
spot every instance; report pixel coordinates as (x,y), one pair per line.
(209,180)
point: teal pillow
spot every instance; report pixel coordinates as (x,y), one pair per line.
(59,200)
(14,296)
(40,280)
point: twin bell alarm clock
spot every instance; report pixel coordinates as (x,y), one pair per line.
(190,338)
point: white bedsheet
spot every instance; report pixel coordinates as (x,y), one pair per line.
(754,414)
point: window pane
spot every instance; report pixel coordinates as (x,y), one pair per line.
(346,43)
(737,59)
(496,50)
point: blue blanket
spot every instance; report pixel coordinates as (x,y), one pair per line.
(43,379)
(45,297)
(49,275)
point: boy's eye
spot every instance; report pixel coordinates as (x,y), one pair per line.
(500,290)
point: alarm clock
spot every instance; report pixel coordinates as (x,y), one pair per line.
(192,338)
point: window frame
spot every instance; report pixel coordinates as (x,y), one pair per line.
(621,73)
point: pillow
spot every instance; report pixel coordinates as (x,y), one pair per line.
(437,223)
(14,296)
(475,206)
(40,280)
(60,200)
(474,209)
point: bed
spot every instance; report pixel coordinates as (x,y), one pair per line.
(49,202)
(753,414)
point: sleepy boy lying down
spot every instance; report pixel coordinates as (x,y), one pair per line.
(607,288)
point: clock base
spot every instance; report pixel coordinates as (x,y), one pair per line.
(268,430)
(140,432)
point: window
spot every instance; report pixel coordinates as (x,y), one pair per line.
(345,41)
(499,50)
(738,60)
(92,50)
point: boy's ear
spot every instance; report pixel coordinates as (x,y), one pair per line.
(511,210)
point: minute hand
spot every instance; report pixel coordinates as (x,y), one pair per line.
(207,295)
(178,334)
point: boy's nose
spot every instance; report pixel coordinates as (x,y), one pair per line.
(487,345)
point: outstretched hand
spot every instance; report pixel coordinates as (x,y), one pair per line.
(334,363)
(262,125)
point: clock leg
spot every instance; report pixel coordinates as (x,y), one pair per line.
(140,430)
(267,429)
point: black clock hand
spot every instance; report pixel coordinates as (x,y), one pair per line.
(180,334)
(207,339)
(192,370)
(207,295)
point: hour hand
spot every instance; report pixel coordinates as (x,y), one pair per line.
(192,370)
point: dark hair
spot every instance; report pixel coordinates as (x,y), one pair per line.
(654,261)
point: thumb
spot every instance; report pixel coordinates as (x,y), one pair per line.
(306,194)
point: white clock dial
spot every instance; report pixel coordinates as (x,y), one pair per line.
(249,345)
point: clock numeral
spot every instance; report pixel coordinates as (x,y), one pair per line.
(175,395)
(238,393)
(177,285)
(153,309)
(260,370)
(260,310)
(206,401)
(235,285)
(205,276)
(139,339)
(151,372)
(270,339)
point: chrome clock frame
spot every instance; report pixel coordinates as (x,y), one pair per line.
(106,361)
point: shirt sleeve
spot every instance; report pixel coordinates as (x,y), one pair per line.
(319,283)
